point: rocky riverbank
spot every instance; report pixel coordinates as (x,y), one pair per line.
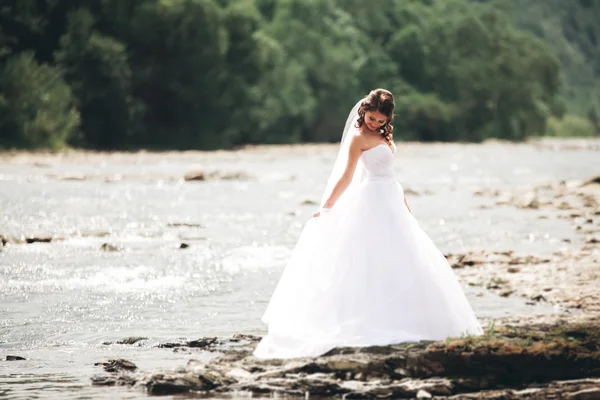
(163,245)
(533,360)
(552,356)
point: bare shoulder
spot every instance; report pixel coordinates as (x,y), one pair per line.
(359,140)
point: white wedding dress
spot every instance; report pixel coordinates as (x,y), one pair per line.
(365,274)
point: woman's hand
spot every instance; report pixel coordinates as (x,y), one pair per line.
(321,212)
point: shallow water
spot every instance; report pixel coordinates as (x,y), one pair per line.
(59,301)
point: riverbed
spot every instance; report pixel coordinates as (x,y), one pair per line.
(122,244)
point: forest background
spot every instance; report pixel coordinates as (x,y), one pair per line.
(208,74)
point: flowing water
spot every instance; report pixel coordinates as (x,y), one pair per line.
(60,301)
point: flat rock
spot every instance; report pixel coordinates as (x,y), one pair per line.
(132,340)
(117,365)
(38,239)
(536,360)
(110,247)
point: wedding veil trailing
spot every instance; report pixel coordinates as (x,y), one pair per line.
(342,157)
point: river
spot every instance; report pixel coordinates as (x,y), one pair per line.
(60,301)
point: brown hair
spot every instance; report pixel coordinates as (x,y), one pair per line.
(383,101)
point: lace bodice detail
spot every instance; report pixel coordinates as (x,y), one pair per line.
(378,162)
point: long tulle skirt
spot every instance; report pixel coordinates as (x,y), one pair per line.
(364,274)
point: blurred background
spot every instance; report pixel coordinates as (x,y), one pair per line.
(207,74)
(97,245)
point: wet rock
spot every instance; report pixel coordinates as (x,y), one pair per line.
(38,239)
(207,342)
(533,204)
(592,181)
(538,297)
(166,384)
(195,176)
(235,175)
(245,337)
(73,177)
(592,240)
(184,224)
(310,202)
(113,380)
(199,175)
(110,247)
(203,342)
(132,340)
(411,192)
(585,394)
(550,357)
(117,365)
(97,234)
(15,358)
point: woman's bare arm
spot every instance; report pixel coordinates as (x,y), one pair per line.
(342,184)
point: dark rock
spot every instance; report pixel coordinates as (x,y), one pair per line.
(411,192)
(203,342)
(310,202)
(585,394)
(74,177)
(132,340)
(117,365)
(183,224)
(538,297)
(110,247)
(38,239)
(113,380)
(161,384)
(95,234)
(198,343)
(227,175)
(594,180)
(553,361)
(15,358)
(240,336)
(184,246)
(233,176)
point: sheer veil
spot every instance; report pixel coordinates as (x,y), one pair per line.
(342,157)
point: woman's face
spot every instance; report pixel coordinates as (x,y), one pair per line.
(374,120)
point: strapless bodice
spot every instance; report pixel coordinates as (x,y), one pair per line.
(378,162)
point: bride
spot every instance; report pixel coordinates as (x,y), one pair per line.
(363,272)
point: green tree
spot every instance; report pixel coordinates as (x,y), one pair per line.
(36,105)
(98,71)
(320,46)
(177,59)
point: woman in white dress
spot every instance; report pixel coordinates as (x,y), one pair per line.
(363,272)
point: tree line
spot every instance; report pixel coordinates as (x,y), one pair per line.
(206,74)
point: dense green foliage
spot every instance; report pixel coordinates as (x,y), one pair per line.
(571,29)
(216,73)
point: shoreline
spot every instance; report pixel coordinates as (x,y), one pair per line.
(531,360)
(565,278)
